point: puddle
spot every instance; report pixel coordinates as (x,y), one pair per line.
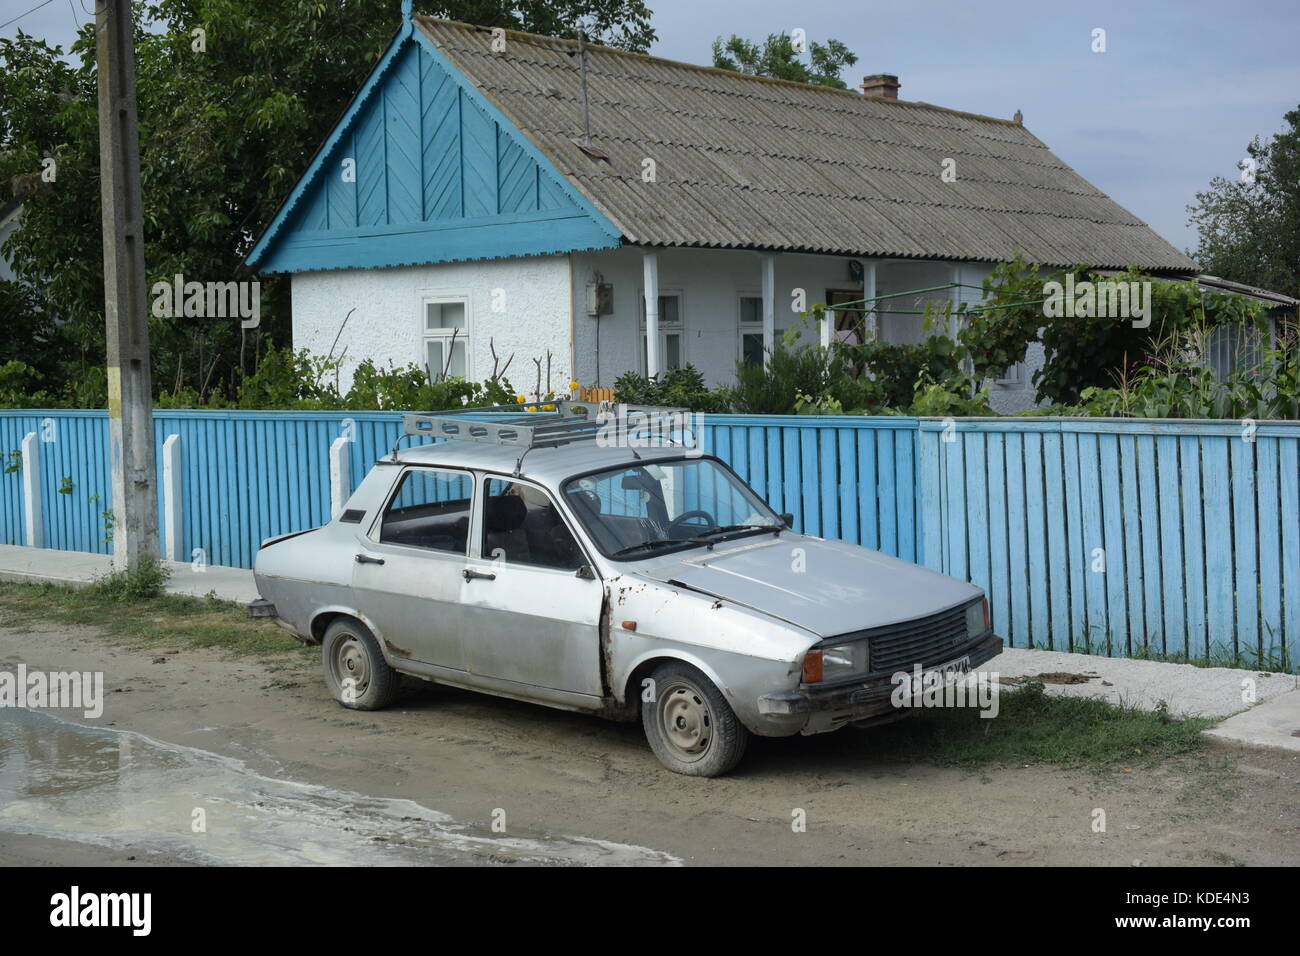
(121,789)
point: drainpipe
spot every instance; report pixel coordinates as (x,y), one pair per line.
(650,261)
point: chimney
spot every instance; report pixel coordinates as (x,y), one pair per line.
(880,84)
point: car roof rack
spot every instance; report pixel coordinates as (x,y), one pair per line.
(548,424)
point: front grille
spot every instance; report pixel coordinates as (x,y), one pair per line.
(926,641)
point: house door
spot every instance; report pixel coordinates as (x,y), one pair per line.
(850,323)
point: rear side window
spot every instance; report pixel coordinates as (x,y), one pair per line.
(430,510)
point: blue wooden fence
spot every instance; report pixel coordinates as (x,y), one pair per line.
(1121,537)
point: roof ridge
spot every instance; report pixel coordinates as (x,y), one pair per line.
(890,100)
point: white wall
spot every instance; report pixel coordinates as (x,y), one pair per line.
(387,324)
(545,297)
(711,282)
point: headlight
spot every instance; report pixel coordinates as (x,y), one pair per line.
(844,660)
(977,618)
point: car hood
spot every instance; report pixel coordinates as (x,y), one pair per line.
(826,587)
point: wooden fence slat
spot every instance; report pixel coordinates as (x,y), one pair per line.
(1017,532)
(1244,536)
(1220,631)
(1112,507)
(1173,605)
(1270,553)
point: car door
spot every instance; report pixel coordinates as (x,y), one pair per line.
(408,567)
(531,604)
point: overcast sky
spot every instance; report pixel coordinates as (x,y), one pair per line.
(1179,92)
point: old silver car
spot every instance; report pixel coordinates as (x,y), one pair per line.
(565,558)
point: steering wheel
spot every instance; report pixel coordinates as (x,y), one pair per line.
(683,518)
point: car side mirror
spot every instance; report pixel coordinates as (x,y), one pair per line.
(586,573)
(787,519)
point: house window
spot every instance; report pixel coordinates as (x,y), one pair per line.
(671,354)
(446,338)
(751,330)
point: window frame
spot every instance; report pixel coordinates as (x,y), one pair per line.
(744,328)
(373,534)
(464,334)
(481,495)
(686,544)
(678,329)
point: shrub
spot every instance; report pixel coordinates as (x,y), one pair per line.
(145,581)
(679,387)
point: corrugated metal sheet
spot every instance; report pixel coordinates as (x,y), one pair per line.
(755,163)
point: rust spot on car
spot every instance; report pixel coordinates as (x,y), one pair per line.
(394,649)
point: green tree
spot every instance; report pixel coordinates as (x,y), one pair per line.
(778,58)
(224,134)
(1249,228)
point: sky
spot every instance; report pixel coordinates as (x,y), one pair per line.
(1179,92)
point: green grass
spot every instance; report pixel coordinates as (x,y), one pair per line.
(123,611)
(1033,727)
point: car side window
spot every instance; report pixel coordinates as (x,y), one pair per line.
(430,510)
(521,525)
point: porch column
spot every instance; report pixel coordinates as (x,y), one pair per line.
(650,261)
(958,296)
(769,306)
(955,298)
(828,328)
(869,293)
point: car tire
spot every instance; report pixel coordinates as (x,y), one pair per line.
(350,652)
(690,726)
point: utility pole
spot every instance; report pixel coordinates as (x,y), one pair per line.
(126,314)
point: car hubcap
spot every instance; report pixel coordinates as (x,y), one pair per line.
(686,721)
(352,664)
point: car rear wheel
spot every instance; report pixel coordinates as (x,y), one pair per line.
(355,670)
(689,725)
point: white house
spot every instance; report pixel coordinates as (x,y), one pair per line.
(491,194)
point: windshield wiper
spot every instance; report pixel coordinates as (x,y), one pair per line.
(707,537)
(648,545)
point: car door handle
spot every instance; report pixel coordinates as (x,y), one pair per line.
(369,559)
(470,574)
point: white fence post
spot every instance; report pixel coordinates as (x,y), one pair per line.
(172,502)
(33,513)
(340,475)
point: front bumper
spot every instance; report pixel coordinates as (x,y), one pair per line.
(828,706)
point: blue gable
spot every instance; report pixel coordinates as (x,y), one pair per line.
(421,169)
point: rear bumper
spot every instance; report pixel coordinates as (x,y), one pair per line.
(813,708)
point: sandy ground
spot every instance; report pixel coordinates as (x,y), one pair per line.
(467,755)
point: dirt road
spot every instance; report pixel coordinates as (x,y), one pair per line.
(552,776)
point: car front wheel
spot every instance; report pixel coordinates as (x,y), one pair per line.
(689,725)
(355,670)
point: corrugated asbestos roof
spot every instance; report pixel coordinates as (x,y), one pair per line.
(765,164)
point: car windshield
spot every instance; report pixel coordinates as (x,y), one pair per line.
(643,509)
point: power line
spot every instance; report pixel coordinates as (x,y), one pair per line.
(21,15)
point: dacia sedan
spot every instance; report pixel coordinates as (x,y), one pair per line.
(632,583)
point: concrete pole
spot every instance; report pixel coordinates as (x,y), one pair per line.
(126,314)
(651,265)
